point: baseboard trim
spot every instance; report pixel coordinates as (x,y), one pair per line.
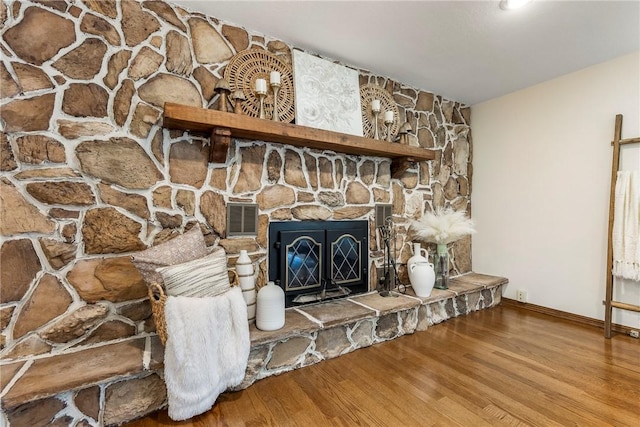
(577,318)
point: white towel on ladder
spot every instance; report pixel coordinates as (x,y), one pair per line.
(626,226)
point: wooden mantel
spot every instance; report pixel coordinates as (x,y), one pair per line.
(222,126)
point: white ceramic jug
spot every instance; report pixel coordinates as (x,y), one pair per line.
(421,273)
(422,278)
(270,309)
(417,255)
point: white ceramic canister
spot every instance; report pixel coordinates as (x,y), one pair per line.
(421,273)
(247,282)
(270,308)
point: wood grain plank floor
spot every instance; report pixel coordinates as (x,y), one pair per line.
(504,366)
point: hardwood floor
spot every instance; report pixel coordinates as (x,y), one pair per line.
(502,366)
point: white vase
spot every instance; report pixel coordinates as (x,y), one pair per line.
(247,282)
(244,266)
(421,273)
(417,254)
(270,308)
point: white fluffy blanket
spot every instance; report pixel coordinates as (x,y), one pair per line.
(206,351)
(626,226)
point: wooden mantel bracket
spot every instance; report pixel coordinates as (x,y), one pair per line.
(399,166)
(220,140)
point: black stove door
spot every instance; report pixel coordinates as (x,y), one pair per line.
(301,259)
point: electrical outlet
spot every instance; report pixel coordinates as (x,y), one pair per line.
(521,296)
(634,333)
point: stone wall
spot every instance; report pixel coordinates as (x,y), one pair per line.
(90,176)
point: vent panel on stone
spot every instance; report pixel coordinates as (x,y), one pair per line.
(383,211)
(242,219)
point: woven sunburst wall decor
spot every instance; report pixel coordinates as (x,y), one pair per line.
(368,93)
(249,65)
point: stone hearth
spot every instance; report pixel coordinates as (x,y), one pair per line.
(327,330)
(116,383)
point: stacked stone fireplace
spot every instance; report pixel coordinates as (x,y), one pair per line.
(89,176)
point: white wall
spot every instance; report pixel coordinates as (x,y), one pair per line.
(541,173)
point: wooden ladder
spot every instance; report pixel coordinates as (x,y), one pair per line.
(609,303)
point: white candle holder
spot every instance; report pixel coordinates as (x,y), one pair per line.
(375,109)
(388,122)
(261,92)
(261,96)
(276,89)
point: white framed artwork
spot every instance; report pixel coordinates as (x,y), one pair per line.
(327,95)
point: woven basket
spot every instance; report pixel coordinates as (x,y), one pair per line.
(158,300)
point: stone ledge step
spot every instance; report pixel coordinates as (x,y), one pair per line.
(320,332)
(48,376)
(312,318)
(28,381)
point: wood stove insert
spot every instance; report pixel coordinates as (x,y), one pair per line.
(315,261)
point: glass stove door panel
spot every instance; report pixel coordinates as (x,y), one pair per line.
(345,256)
(302,259)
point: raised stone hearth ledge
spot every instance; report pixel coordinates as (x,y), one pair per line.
(322,331)
(116,383)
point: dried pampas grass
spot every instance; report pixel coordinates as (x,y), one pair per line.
(443,226)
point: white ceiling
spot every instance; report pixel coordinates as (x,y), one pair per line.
(467,51)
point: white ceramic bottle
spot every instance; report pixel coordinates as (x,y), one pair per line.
(421,273)
(247,282)
(270,309)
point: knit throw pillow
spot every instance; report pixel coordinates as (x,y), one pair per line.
(203,277)
(186,247)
